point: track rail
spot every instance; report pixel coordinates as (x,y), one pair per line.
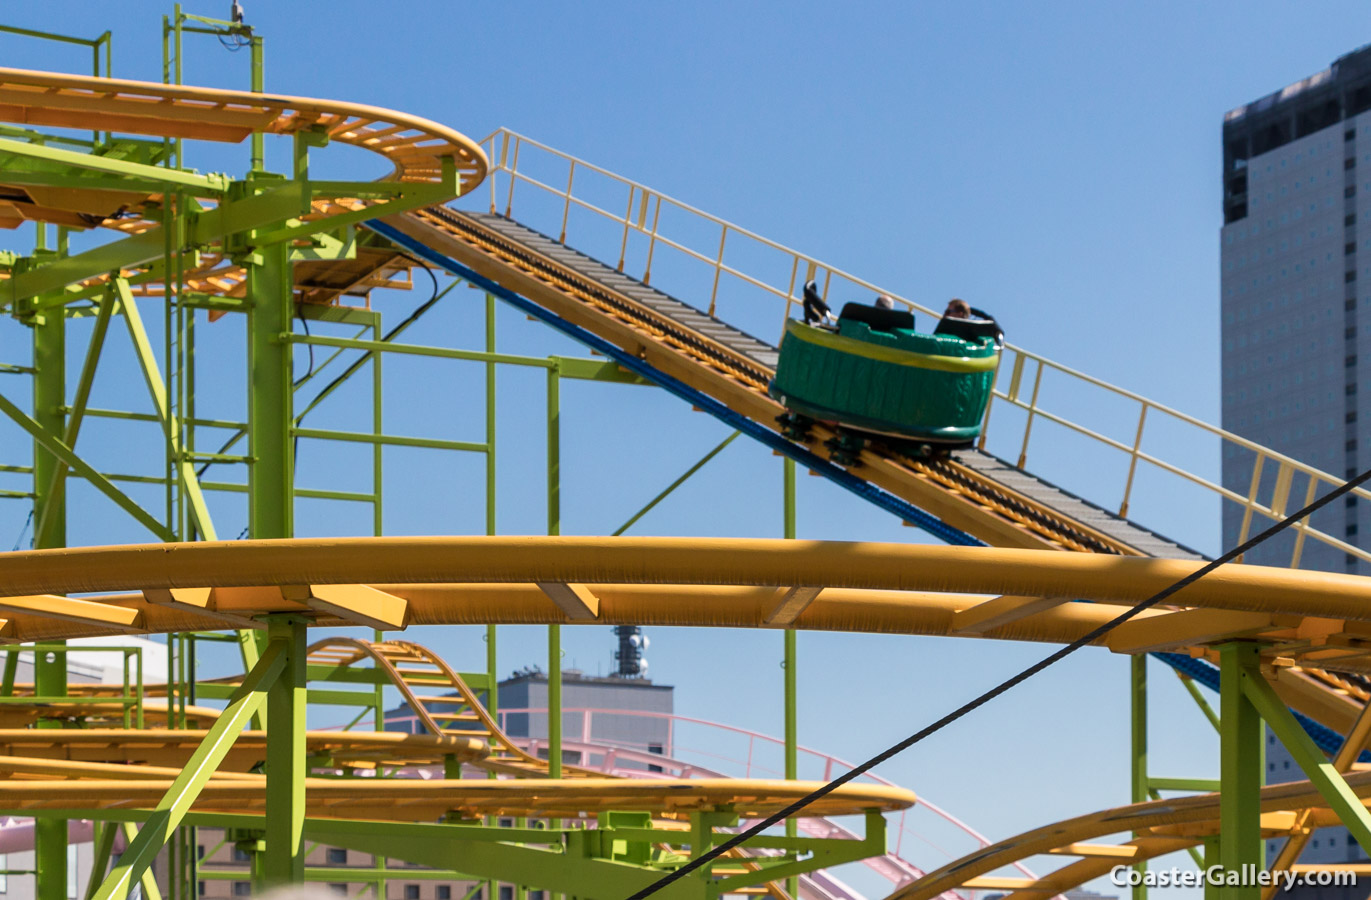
(441,700)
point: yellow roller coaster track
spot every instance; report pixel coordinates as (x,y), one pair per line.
(416,149)
(955,493)
(440,699)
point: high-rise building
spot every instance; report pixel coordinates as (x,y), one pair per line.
(1296,360)
(1296,343)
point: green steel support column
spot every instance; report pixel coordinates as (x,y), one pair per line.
(258,146)
(269,393)
(554,527)
(377,427)
(286,767)
(176,17)
(57,489)
(492,661)
(50,668)
(271,474)
(11,667)
(1211,858)
(1240,742)
(492,674)
(1137,671)
(791,687)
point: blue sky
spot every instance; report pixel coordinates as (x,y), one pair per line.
(1055,163)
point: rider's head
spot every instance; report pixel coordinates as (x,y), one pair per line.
(957,309)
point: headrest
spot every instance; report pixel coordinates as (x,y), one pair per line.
(878,319)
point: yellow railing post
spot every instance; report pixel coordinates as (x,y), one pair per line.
(790,291)
(566,208)
(989,401)
(628,217)
(718,267)
(1133,461)
(1303,524)
(1257,465)
(1032,409)
(652,239)
(513,176)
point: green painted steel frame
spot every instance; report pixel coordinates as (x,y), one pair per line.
(1242,756)
(163,819)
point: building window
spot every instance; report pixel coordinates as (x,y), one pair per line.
(340,889)
(411,892)
(444,892)
(242,889)
(1349,134)
(200,888)
(241,855)
(337,856)
(1350,191)
(1351,529)
(1350,162)
(1351,445)
(1349,277)
(506,892)
(535,895)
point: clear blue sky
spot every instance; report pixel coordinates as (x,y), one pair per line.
(1055,163)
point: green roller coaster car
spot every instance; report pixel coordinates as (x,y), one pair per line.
(929,390)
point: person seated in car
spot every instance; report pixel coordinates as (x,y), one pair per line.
(965,321)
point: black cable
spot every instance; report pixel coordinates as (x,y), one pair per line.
(389,335)
(295,442)
(238,43)
(308,346)
(23,531)
(1094,635)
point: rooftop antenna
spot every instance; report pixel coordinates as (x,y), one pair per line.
(630,662)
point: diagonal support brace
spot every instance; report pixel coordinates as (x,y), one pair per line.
(58,448)
(1322,772)
(172,808)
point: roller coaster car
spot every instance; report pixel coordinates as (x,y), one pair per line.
(874,376)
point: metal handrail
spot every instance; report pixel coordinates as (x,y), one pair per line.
(670,757)
(642,216)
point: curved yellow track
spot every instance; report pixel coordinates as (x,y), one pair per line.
(888,588)
(414,146)
(1165,826)
(676,561)
(172,747)
(417,800)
